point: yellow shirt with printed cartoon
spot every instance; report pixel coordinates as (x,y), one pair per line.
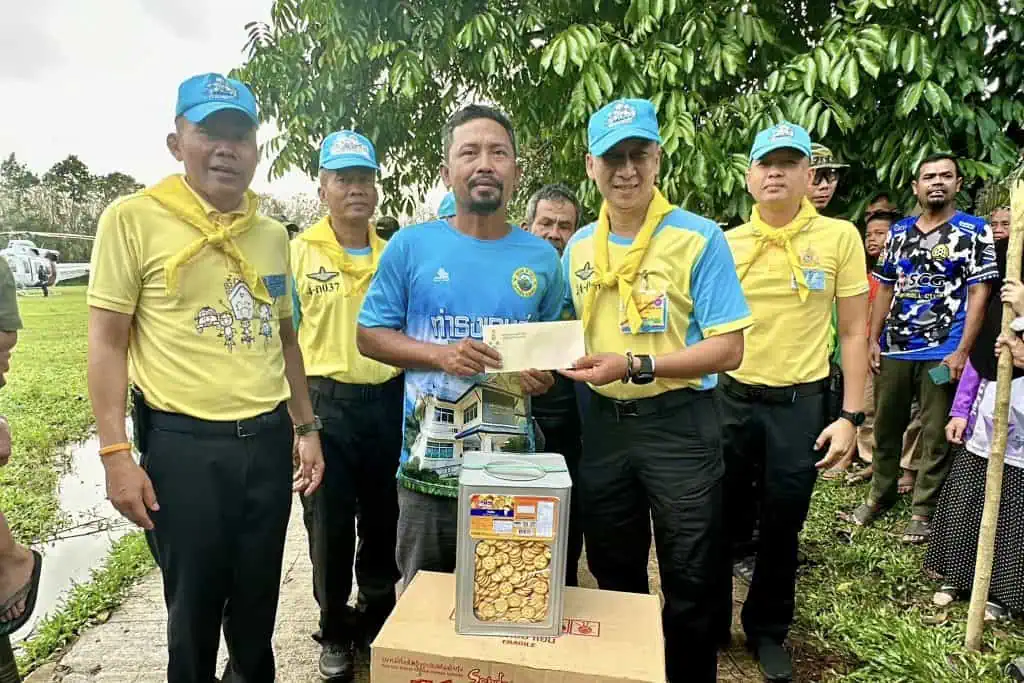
(327,311)
(686,290)
(789,340)
(211,350)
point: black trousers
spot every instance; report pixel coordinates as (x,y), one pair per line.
(768,442)
(224,490)
(563,436)
(660,458)
(362,441)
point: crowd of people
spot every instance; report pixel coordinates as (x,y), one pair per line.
(725,371)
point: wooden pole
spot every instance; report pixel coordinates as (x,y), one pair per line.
(994,475)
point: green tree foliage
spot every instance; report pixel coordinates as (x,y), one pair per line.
(68,198)
(882,82)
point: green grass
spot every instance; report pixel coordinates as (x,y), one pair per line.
(87,603)
(47,405)
(864,599)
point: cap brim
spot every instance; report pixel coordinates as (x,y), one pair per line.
(201,112)
(761,153)
(831,164)
(343,162)
(601,147)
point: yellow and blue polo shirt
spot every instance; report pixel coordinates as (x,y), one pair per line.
(687,276)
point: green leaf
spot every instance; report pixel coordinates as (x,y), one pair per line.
(851,78)
(561,57)
(772,84)
(932,94)
(925,61)
(823,121)
(868,63)
(810,76)
(838,72)
(965,18)
(894,53)
(910,54)
(908,99)
(824,65)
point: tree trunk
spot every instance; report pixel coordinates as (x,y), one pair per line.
(994,476)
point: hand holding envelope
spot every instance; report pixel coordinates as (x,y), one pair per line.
(536,346)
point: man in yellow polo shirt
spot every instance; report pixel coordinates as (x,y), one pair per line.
(360,403)
(663,311)
(793,264)
(189,300)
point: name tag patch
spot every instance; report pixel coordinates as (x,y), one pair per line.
(815,279)
(275,284)
(653,307)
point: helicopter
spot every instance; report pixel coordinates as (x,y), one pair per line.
(38,268)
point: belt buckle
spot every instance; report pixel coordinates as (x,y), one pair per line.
(241,431)
(626,409)
(756,393)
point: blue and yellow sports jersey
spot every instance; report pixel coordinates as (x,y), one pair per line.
(440,286)
(686,288)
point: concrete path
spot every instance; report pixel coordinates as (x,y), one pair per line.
(131,647)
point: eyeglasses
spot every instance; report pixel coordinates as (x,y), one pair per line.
(823,175)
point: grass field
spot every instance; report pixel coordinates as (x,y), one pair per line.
(47,405)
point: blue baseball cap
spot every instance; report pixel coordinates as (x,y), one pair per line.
(200,96)
(447,207)
(784,135)
(620,120)
(347,149)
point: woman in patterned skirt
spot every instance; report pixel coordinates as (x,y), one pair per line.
(954,541)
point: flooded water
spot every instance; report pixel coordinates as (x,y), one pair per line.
(84,540)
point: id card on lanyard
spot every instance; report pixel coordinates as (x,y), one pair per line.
(652,305)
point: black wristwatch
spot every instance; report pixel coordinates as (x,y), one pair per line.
(857,419)
(315,426)
(645,375)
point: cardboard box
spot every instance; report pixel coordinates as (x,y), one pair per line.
(607,638)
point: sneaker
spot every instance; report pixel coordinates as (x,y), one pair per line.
(337,663)
(744,569)
(776,664)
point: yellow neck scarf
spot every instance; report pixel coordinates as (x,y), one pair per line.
(322,235)
(177,197)
(625,274)
(766,235)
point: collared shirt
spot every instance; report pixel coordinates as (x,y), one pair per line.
(930,274)
(327,312)
(211,350)
(687,290)
(440,286)
(789,341)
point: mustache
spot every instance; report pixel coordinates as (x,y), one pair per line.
(491,181)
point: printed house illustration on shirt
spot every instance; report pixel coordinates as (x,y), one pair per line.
(490,416)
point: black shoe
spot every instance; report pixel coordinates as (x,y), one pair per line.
(337,663)
(776,664)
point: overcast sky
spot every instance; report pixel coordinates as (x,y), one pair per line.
(99,78)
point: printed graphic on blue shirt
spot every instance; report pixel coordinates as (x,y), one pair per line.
(930,275)
(437,285)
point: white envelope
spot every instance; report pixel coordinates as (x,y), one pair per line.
(536,346)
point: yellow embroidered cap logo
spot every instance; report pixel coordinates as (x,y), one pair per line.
(524,282)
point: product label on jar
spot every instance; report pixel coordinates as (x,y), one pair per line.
(501,517)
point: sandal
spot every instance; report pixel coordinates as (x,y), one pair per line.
(906,483)
(995,612)
(859,477)
(945,596)
(864,514)
(28,593)
(917,532)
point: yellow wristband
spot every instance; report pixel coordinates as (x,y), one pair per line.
(115,448)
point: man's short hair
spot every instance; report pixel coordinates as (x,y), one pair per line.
(939,156)
(879,195)
(555,192)
(473,112)
(387,223)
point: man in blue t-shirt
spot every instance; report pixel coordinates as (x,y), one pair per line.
(437,285)
(933,275)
